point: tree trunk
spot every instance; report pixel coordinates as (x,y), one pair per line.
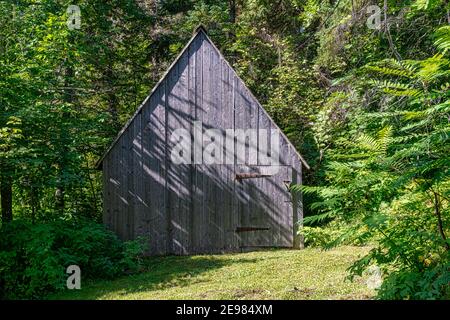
(232,37)
(6,198)
(232,10)
(64,140)
(437,212)
(112,100)
(59,197)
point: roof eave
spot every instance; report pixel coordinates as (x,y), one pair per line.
(200,29)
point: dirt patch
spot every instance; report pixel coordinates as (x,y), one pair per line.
(241,293)
(302,291)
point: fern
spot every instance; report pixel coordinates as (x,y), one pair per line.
(443,39)
(318,218)
(425,4)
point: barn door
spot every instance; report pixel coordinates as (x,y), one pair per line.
(264,206)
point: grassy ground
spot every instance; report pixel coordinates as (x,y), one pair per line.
(272,274)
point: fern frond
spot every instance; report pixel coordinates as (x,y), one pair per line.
(318,218)
(305,189)
(384,138)
(443,39)
(395,88)
(425,4)
(391,72)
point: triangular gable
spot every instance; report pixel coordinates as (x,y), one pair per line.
(199,30)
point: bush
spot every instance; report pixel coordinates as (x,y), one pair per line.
(317,236)
(34,257)
(333,233)
(431,284)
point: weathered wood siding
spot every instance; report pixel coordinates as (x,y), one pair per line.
(199,208)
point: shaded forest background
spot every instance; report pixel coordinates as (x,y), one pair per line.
(367,107)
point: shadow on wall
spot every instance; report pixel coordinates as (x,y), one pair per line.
(187,209)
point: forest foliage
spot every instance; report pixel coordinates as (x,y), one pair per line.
(367,107)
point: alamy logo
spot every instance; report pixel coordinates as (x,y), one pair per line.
(374,21)
(74,17)
(243,146)
(375,279)
(74,280)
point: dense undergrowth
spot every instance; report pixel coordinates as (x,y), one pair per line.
(367,105)
(34,257)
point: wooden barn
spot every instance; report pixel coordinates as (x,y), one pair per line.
(190,208)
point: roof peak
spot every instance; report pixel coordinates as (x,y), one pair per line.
(199,28)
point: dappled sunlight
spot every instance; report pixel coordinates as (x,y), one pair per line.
(272,274)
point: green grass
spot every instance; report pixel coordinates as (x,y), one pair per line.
(271,274)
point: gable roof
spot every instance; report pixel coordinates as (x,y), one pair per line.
(199,30)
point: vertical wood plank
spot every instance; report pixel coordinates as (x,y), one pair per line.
(297,203)
(192,55)
(128,192)
(179,183)
(107,197)
(138,181)
(153,223)
(206,229)
(227,170)
(198,221)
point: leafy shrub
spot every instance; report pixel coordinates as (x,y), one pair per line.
(316,236)
(34,257)
(333,233)
(132,259)
(393,177)
(432,283)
